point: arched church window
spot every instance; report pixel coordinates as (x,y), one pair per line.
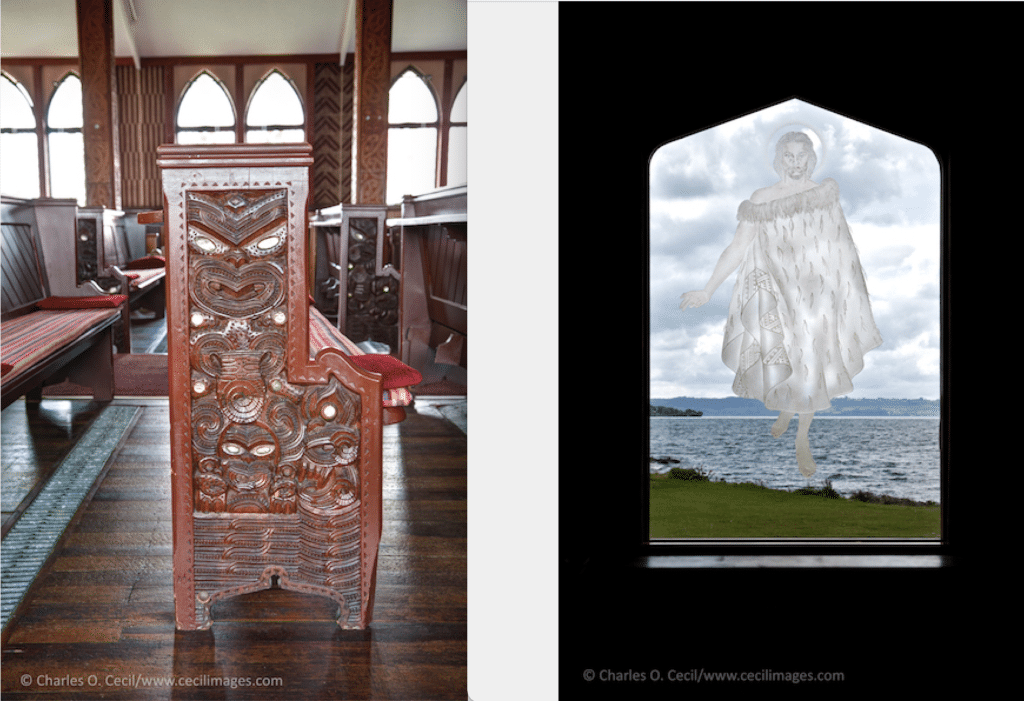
(826,232)
(412,136)
(458,138)
(19,153)
(65,142)
(205,114)
(275,112)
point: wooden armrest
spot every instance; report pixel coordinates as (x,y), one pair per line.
(156,217)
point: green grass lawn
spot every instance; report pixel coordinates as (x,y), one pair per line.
(692,509)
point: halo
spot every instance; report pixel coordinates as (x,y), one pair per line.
(811,132)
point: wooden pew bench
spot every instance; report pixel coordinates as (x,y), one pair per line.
(45,339)
(104,256)
(398,380)
(433,325)
(276,418)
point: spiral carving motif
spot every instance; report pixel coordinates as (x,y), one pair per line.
(260,444)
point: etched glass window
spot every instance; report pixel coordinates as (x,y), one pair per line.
(794,330)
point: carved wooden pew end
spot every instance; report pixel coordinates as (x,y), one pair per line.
(275,435)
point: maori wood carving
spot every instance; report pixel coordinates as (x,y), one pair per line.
(276,455)
(259,444)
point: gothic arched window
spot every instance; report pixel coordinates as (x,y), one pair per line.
(19,151)
(412,136)
(205,114)
(65,142)
(275,112)
(458,138)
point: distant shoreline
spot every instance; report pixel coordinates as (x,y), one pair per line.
(740,407)
(816,417)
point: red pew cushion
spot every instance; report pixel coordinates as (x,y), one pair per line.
(396,373)
(97,302)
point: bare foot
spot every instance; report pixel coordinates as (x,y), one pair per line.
(781,424)
(804,459)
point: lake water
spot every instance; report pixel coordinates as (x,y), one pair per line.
(895,456)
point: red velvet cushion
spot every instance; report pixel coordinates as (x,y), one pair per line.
(396,373)
(5,368)
(97,302)
(146,262)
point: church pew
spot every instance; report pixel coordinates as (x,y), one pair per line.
(276,422)
(433,328)
(104,256)
(47,338)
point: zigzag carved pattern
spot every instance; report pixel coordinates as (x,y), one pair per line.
(326,135)
(347,98)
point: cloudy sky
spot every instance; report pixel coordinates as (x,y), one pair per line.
(890,194)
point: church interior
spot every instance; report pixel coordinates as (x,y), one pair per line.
(234,230)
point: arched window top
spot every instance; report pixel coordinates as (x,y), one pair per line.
(65,111)
(15,105)
(460,107)
(19,170)
(275,102)
(411,101)
(205,103)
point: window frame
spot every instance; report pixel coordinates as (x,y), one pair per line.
(436,125)
(674,553)
(41,168)
(246,128)
(455,124)
(233,129)
(48,130)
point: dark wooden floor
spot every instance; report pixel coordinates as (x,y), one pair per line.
(99,623)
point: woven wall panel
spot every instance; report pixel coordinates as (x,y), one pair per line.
(141,112)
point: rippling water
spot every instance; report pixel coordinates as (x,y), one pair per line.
(895,456)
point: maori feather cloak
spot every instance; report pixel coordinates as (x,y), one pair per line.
(800,317)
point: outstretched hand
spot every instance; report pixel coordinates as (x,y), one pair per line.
(697,298)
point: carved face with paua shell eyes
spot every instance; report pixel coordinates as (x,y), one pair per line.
(248,455)
(237,242)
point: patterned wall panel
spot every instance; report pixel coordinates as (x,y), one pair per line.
(327,135)
(141,110)
(347,93)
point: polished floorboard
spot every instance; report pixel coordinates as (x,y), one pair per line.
(99,620)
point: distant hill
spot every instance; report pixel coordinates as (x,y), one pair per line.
(671,411)
(841,406)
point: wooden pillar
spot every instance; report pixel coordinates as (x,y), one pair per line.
(99,103)
(370,113)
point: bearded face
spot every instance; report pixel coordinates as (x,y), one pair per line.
(794,156)
(795,160)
